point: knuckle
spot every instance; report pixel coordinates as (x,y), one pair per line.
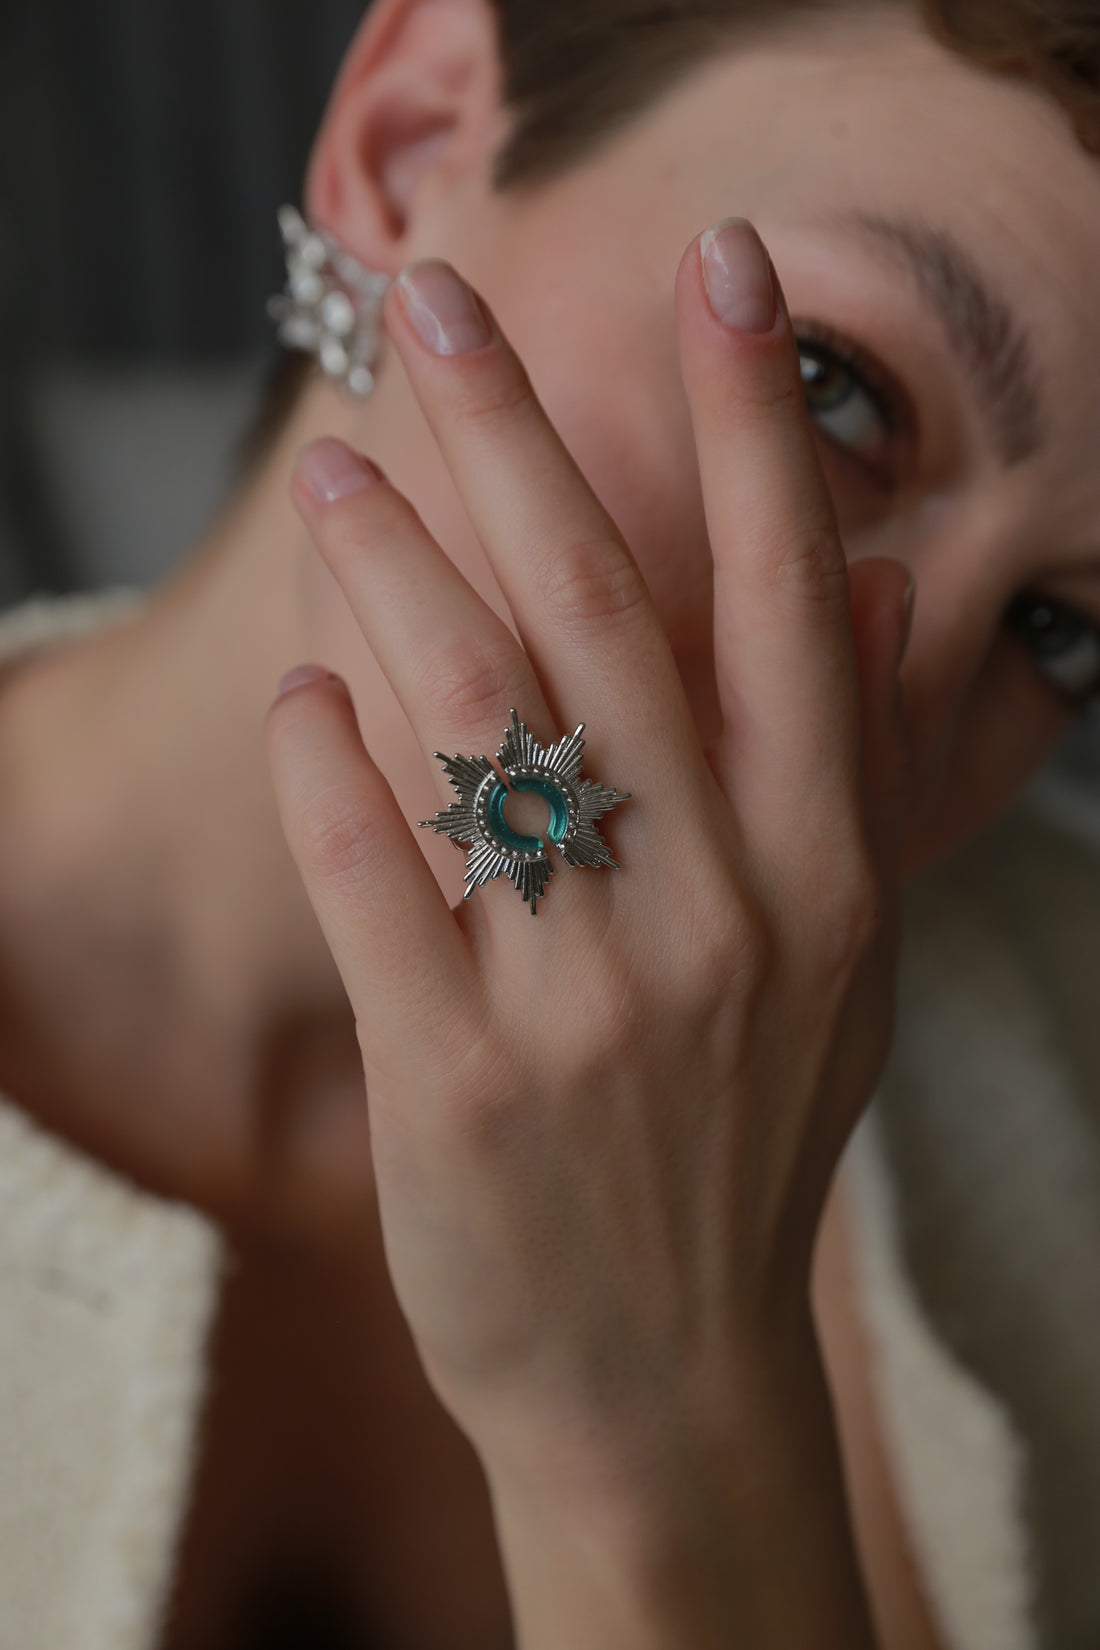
(591,582)
(731,952)
(468,682)
(494,392)
(773,394)
(809,566)
(850,921)
(610,1025)
(338,840)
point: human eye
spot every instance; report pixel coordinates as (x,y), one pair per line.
(856,403)
(1063,642)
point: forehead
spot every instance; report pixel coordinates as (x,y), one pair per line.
(863,116)
(855,112)
(868,98)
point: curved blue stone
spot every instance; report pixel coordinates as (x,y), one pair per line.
(559,813)
(501,828)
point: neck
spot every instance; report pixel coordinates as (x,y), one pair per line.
(141,747)
(153,931)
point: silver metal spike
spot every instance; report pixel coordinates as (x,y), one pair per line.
(466,820)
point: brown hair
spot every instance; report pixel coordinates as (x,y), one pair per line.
(578,70)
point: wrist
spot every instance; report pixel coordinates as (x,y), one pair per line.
(713,1523)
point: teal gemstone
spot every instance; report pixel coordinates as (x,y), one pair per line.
(501,828)
(559,813)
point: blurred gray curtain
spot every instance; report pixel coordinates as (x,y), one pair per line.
(144,148)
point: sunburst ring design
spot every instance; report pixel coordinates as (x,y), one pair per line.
(493,848)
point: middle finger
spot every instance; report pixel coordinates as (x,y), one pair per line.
(579,600)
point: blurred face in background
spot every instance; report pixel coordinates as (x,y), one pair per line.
(937,233)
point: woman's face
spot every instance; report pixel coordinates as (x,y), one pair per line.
(937,234)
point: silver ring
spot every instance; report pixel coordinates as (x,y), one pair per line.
(493,848)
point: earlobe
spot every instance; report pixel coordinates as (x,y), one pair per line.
(416,104)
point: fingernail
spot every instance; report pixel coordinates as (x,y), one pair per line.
(446,313)
(305,676)
(302,676)
(330,470)
(737,273)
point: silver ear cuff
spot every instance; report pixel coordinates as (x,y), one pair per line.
(332,306)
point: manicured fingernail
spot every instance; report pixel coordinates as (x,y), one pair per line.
(330,470)
(302,676)
(305,676)
(444,310)
(737,273)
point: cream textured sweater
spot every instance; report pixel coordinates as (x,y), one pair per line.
(106,1296)
(976,1188)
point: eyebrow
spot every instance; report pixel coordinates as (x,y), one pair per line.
(980,327)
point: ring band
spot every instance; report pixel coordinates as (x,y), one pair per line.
(494,848)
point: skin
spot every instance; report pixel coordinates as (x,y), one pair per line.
(212,1055)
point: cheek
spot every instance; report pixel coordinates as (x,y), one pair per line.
(988,747)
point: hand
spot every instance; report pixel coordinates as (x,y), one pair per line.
(602,1140)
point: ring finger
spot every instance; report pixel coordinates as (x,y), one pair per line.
(452,662)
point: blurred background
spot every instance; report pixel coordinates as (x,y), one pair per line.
(145,146)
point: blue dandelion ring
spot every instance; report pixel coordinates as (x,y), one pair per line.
(476,820)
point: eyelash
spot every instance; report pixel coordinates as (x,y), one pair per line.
(889,400)
(894,409)
(1025,626)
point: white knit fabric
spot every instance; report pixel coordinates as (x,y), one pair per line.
(958,1464)
(105,1300)
(978,1189)
(106,1297)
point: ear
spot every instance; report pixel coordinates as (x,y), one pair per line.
(416,104)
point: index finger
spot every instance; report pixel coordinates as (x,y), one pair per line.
(785,656)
